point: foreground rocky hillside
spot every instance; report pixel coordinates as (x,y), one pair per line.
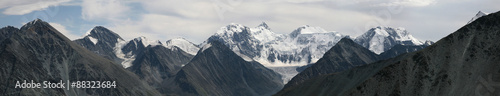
(462,63)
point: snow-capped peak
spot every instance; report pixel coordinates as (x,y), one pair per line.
(147,42)
(264,25)
(231,28)
(380,38)
(478,15)
(269,48)
(183,44)
(306,29)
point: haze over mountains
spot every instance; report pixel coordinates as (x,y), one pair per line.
(240,60)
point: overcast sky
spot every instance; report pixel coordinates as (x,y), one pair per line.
(196,20)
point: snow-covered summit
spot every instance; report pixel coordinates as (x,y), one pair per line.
(231,29)
(272,49)
(306,29)
(380,39)
(264,25)
(183,44)
(478,15)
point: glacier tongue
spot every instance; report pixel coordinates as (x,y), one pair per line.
(127,58)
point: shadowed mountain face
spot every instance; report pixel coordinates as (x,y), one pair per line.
(40,53)
(101,41)
(157,63)
(400,49)
(217,71)
(151,61)
(346,54)
(463,63)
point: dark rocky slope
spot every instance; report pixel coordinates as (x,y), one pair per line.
(105,44)
(157,63)
(217,71)
(463,63)
(346,54)
(40,53)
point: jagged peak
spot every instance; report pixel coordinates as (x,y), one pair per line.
(428,42)
(96,28)
(264,25)
(100,32)
(9,27)
(481,13)
(37,22)
(231,28)
(478,15)
(388,31)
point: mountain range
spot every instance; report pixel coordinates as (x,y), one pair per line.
(38,52)
(284,53)
(462,63)
(240,60)
(217,70)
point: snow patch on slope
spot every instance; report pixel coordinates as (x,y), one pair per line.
(183,44)
(93,40)
(205,47)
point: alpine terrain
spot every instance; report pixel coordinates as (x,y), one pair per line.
(462,63)
(39,52)
(217,71)
(151,60)
(381,39)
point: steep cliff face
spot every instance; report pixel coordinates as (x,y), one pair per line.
(462,63)
(40,53)
(216,70)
